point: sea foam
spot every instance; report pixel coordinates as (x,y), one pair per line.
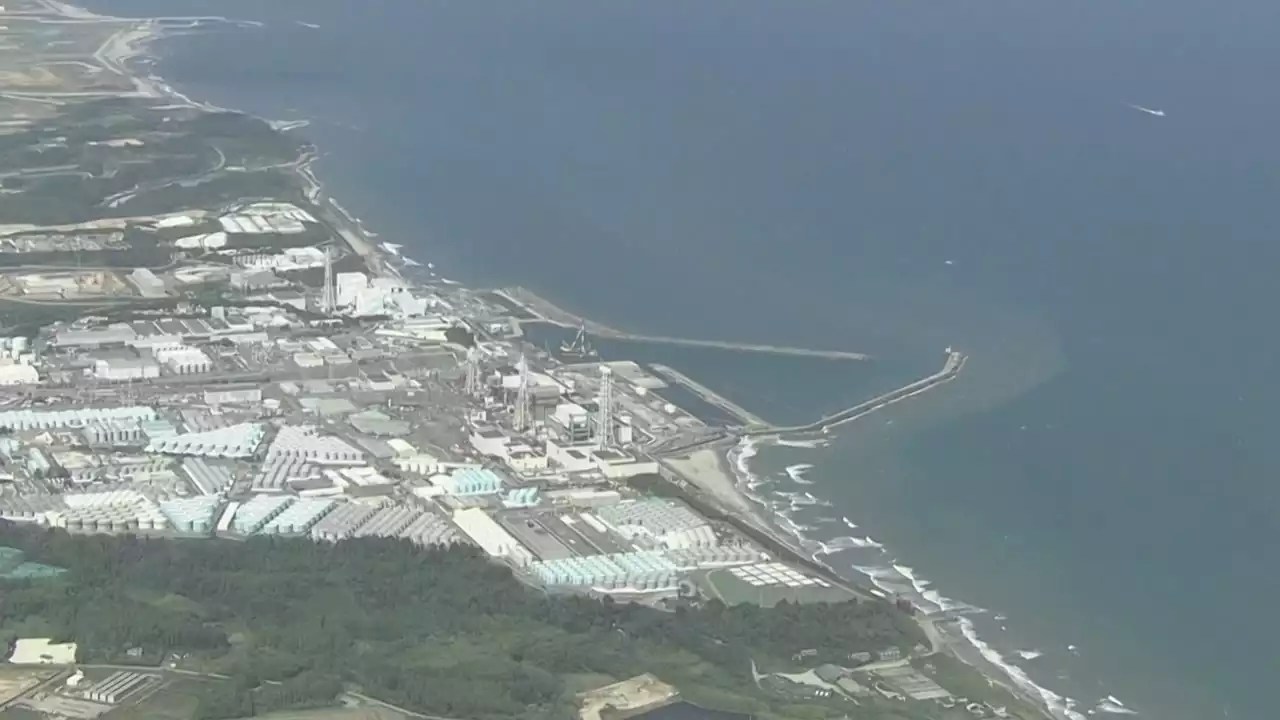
(808,444)
(1111,704)
(796,473)
(1058,704)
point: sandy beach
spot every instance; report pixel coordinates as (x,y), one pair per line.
(708,470)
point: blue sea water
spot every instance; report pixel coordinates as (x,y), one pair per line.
(1102,478)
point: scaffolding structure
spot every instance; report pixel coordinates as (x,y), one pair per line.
(604,418)
(328,296)
(521,422)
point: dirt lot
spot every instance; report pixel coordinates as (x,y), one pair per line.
(15,682)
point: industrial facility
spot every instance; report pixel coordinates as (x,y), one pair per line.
(341,410)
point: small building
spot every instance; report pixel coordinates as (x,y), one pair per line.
(240,396)
(124,369)
(18,374)
(571,423)
(184,359)
(253,280)
(524,459)
(291,298)
(117,334)
(490,441)
(373,422)
(307,360)
(571,458)
(619,466)
(147,283)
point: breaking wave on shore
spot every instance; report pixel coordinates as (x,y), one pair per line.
(890,577)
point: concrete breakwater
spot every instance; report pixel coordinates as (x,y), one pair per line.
(708,395)
(954,364)
(547,312)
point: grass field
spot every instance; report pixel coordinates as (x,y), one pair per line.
(732,590)
(175,700)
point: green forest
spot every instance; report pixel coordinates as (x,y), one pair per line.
(442,631)
(64,171)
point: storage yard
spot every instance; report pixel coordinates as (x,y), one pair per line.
(342,411)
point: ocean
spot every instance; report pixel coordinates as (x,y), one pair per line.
(892,178)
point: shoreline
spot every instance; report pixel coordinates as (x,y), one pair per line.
(717,470)
(729,476)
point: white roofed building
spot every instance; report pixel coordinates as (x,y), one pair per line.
(183,359)
(18,374)
(349,285)
(485,532)
(125,369)
(117,334)
(147,283)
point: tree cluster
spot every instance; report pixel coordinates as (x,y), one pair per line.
(440,631)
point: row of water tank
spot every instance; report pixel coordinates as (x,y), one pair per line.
(310,454)
(100,523)
(608,581)
(691,558)
(192,515)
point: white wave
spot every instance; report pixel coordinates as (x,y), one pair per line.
(1111,704)
(790,526)
(907,572)
(840,544)
(392,248)
(739,458)
(877,573)
(1059,705)
(799,500)
(942,602)
(796,473)
(809,444)
(887,580)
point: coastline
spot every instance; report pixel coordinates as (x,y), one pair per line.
(721,472)
(726,477)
